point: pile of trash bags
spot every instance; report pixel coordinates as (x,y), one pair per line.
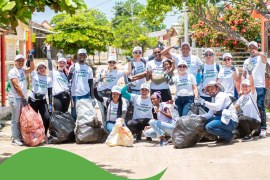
(88,128)
(31,125)
(61,128)
(120,135)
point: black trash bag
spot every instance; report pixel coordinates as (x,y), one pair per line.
(90,132)
(198,110)
(61,128)
(188,131)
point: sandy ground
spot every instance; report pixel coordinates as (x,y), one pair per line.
(249,160)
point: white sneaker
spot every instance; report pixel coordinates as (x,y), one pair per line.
(17,142)
(263,133)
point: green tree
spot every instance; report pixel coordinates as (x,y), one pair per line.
(86,29)
(12,11)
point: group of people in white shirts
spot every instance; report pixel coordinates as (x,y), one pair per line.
(145,102)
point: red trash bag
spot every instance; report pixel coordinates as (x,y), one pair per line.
(32,129)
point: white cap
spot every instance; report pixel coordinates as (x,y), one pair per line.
(253,43)
(246,81)
(226,55)
(137,48)
(62,60)
(82,51)
(41,64)
(145,86)
(208,50)
(116,89)
(19,56)
(185,43)
(182,62)
(112,58)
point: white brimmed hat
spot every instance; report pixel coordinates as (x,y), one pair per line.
(213,83)
(62,60)
(145,86)
(246,81)
(137,48)
(182,62)
(227,55)
(208,50)
(82,51)
(253,43)
(41,64)
(112,58)
(116,89)
(19,56)
(185,43)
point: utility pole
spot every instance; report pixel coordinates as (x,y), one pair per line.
(185,10)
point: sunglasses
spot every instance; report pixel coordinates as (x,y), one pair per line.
(143,89)
(111,62)
(137,52)
(182,66)
(20,61)
(157,52)
(206,55)
(227,59)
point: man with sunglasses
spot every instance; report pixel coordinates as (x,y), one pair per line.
(258,62)
(155,73)
(18,94)
(228,76)
(209,72)
(194,63)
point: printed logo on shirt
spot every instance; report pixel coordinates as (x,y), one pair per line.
(62,78)
(183,82)
(210,74)
(227,73)
(82,73)
(41,83)
(143,107)
(245,100)
(110,78)
(22,77)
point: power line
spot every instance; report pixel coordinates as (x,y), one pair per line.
(100,4)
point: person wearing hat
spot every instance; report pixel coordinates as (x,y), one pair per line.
(61,94)
(221,119)
(228,76)
(41,85)
(18,94)
(186,88)
(80,78)
(258,62)
(69,62)
(107,78)
(209,72)
(194,63)
(115,107)
(142,112)
(249,120)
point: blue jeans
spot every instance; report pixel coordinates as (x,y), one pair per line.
(15,105)
(159,128)
(109,126)
(75,99)
(217,127)
(183,104)
(260,102)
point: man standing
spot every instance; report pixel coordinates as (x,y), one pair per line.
(258,62)
(18,95)
(81,80)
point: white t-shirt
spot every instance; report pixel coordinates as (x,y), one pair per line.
(81,75)
(157,71)
(210,73)
(112,109)
(20,75)
(161,116)
(220,102)
(110,80)
(194,62)
(142,107)
(226,78)
(139,67)
(60,82)
(258,70)
(40,84)
(184,84)
(246,104)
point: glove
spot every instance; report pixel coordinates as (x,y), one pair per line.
(197,101)
(249,68)
(24,102)
(129,59)
(176,47)
(201,101)
(50,108)
(233,68)
(131,84)
(72,69)
(93,102)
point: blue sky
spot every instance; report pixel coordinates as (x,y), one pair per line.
(104,6)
